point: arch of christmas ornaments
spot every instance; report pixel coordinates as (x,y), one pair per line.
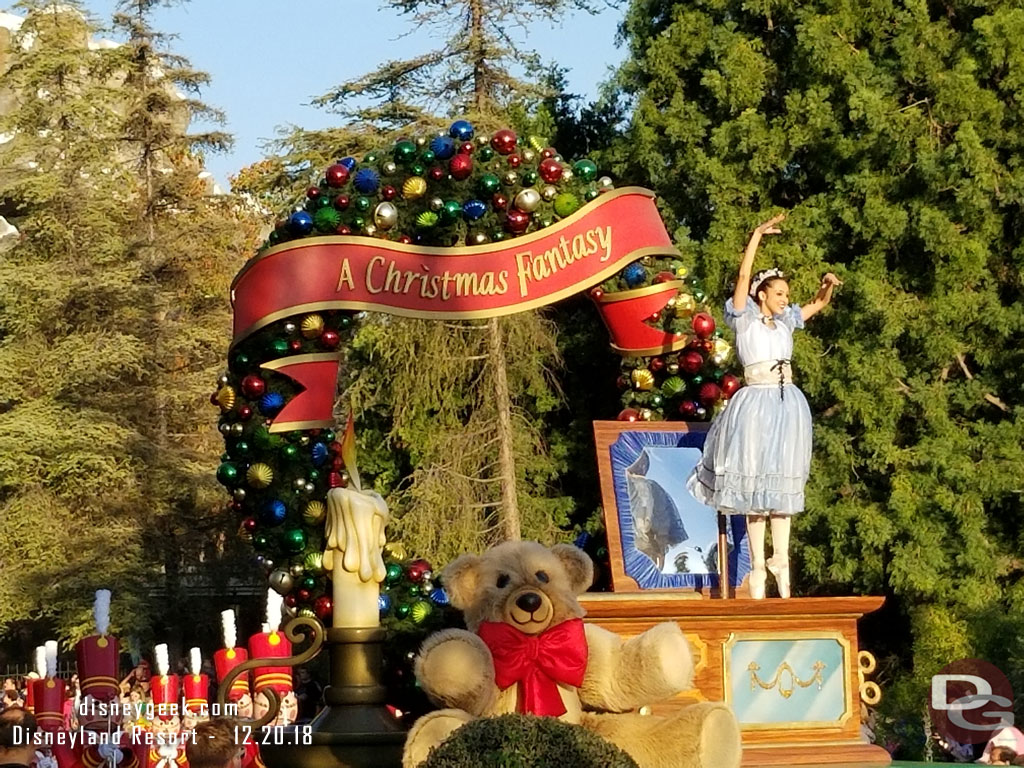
(451,226)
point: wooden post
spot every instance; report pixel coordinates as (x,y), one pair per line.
(723,558)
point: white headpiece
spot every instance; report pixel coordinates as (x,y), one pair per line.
(760,277)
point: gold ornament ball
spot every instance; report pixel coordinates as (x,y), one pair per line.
(483,140)
(528,200)
(385,216)
(421,141)
(646,414)
(477,238)
(314,513)
(682,271)
(312,326)
(643,379)
(529,155)
(671,368)
(722,348)
(436,204)
(604,184)
(414,188)
(685,303)
(369,230)
(549,193)
(566,173)
(510,178)
(389,167)
(226,398)
(307,613)
(419,611)
(244,535)
(395,550)
(259,475)
(314,563)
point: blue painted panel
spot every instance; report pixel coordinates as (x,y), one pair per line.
(654,466)
(815,681)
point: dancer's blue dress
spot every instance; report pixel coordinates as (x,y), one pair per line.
(757,454)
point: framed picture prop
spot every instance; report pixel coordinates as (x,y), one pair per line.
(659,535)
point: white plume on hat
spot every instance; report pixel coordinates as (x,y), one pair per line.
(274,605)
(197,661)
(41,660)
(162,659)
(101,610)
(227,621)
(110,752)
(51,658)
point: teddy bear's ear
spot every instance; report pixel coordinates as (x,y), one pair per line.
(461,577)
(578,566)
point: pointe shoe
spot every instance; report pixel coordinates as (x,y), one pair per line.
(756,582)
(780,570)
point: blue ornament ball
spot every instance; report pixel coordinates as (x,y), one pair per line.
(384,603)
(366,180)
(300,223)
(319,454)
(474,209)
(461,130)
(348,162)
(439,596)
(274,512)
(634,274)
(443,147)
(271,403)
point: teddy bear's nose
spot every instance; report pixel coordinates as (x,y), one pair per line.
(528,601)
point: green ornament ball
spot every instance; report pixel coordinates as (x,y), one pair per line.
(657,400)
(426,220)
(294,540)
(489,184)
(697,380)
(451,211)
(404,151)
(414,590)
(420,611)
(672,386)
(242,360)
(586,169)
(428,156)
(591,194)
(290,452)
(279,346)
(417,169)
(566,204)
(402,610)
(314,562)
(530,178)
(485,154)
(329,433)
(394,573)
(308,582)
(371,157)
(260,542)
(363,204)
(718,374)
(227,474)
(358,222)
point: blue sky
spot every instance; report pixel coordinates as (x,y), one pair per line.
(268,59)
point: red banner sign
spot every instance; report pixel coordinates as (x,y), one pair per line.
(501,278)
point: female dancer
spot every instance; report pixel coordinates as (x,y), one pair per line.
(758,450)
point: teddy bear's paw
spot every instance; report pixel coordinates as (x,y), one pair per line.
(668,654)
(430,731)
(456,670)
(719,743)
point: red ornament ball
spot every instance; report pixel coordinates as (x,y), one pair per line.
(249,524)
(517,221)
(330,339)
(290,600)
(730,384)
(313,193)
(341,202)
(389,192)
(337,463)
(709,393)
(466,148)
(335,480)
(596,293)
(550,170)
(323,606)
(656,364)
(304,595)
(461,167)
(500,201)
(629,414)
(504,142)
(336,175)
(623,382)
(691,361)
(688,409)
(703,325)
(253,387)
(343,230)
(437,173)
(415,573)
(548,152)
(245,413)
(295,345)
(515,161)
(405,239)
(664,277)
(654,318)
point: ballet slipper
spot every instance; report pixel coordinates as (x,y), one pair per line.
(780,570)
(756,582)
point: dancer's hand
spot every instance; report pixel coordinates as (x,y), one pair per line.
(830,280)
(769,227)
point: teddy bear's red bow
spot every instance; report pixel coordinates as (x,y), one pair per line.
(539,662)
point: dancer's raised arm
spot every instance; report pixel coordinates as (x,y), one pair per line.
(739,296)
(822,298)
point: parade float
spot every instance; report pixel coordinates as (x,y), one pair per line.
(461,226)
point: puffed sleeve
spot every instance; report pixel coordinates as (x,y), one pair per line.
(740,320)
(792,317)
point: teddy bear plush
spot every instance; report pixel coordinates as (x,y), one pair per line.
(528,650)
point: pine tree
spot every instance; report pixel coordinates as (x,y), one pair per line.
(72,356)
(453,415)
(893,134)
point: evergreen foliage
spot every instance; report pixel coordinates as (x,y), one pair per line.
(893,134)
